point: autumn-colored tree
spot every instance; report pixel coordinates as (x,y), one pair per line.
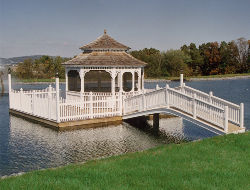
(212,58)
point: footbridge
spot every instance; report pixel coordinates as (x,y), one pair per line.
(205,110)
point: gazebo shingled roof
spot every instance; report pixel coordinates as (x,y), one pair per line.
(105,51)
(104,42)
(105,59)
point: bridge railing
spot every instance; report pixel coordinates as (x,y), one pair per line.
(235,112)
(197,108)
(172,98)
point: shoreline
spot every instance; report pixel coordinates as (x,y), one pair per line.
(200,78)
(165,80)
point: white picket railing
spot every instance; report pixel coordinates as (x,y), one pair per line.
(43,104)
(92,106)
(235,112)
(72,95)
(191,104)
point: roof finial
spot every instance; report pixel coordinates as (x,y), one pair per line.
(105,31)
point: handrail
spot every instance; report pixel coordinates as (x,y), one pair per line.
(176,91)
(205,108)
(215,97)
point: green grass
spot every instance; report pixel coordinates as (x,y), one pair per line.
(216,163)
(208,77)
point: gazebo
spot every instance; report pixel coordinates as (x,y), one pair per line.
(104,66)
(105,84)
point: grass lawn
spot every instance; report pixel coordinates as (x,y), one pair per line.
(222,162)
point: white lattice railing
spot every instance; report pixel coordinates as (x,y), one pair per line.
(192,105)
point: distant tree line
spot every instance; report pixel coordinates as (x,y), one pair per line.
(44,67)
(208,59)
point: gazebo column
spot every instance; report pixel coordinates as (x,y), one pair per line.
(82,75)
(113,86)
(133,81)
(66,80)
(121,82)
(113,75)
(139,80)
(142,80)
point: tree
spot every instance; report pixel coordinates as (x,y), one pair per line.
(242,45)
(153,58)
(196,59)
(212,58)
(44,67)
(229,62)
(248,59)
(25,69)
(175,62)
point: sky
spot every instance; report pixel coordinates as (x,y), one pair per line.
(60,27)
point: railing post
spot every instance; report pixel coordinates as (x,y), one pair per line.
(210,101)
(181,80)
(21,96)
(123,104)
(143,101)
(57,100)
(167,95)
(120,102)
(194,106)
(182,87)
(241,115)
(33,102)
(49,101)
(10,87)
(157,87)
(210,97)
(91,105)
(226,119)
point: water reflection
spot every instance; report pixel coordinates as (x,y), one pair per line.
(32,146)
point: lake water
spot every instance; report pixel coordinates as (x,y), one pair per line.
(25,146)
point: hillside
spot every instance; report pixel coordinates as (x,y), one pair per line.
(16,60)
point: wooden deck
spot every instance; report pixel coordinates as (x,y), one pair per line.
(69,125)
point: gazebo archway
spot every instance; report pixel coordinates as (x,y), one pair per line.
(127,81)
(97,81)
(74,81)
